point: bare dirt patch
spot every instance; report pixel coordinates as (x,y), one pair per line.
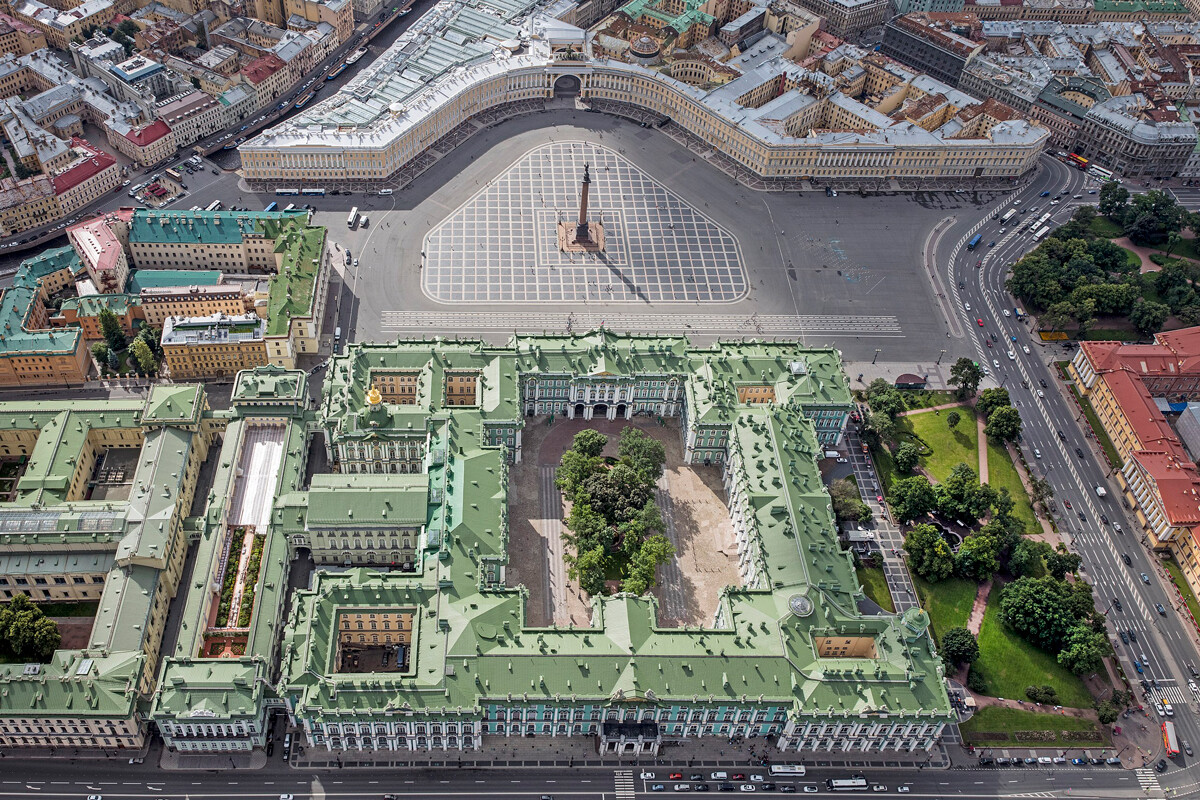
(693,505)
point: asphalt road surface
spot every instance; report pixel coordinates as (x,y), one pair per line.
(1164,640)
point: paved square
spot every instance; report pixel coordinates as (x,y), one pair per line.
(501,245)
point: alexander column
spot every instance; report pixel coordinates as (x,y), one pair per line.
(583,236)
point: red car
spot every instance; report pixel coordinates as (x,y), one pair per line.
(1067,503)
(980,322)
(676,776)
(738,776)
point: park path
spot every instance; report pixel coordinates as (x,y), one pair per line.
(979,607)
(981,443)
(1144,254)
(942,407)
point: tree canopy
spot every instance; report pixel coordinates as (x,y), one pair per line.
(929,555)
(27,634)
(965,376)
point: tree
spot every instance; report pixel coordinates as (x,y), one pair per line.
(573,469)
(1041,610)
(991,399)
(1084,650)
(1113,201)
(129,27)
(960,495)
(1173,241)
(965,376)
(1056,317)
(1004,425)
(906,457)
(977,558)
(110,328)
(619,493)
(1026,556)
(1060,562)
(958,646)
(847,503)
(655,551)
(1107,713)
(912,497)
(930,556)
(642,452)
(1084,312)
(1041,694)
(26,634)
(879,426)
(588,569)
(952,419)
(884,398)
(1148,316)
(146,362)
(100,353)
(152,337)
(114,362)
(589,442)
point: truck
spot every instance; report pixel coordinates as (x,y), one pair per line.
(1101,491)
(1018,313)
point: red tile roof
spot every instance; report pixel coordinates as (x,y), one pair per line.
(149,134)
(1178,483)
(1139,408)
(260,69)
(88,168)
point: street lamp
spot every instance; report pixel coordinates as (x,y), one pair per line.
(940,355)
(877,352)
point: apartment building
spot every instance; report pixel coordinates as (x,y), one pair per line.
(19,37)
(31,354)
(192,116)
(213,347)
(846,18)
(84,313)
(146,144)
(1137,136)
(61,26)
(338,13)
(937,44)
(158,304)
(100,244)
(91,175)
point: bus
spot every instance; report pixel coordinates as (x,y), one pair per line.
(271,206)
(353,218)
(1100,172)
(289,206)
(1170,742)
(975,240)
(786,769)
(215,205)
(1012,212)
(313,192)
(1078,160)
(286,192)
(1041,234)
(857,783)
(174,175)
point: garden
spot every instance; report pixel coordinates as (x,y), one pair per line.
(119,355)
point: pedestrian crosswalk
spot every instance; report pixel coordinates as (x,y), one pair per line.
(1148,780)
(623,780)
(1172,694)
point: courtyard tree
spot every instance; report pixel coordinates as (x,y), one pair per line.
(110,328)
(847,503)
(27,634)
(588,569)
(655,551)
(906,457)
(930,556)
(144,356)
(100,353)
(958,646)
(911,498)
(642,452)
(965,376)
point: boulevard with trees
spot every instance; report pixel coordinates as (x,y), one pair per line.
(614,528)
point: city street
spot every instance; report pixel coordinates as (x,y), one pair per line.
(1167,642)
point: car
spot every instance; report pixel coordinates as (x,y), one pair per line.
(1117,527)
(1079,452)
(647,776)
(1127,559)
(286,796)
(992,243)
(1132,636)
(989,343)
(215,171)
(397,797)
(996,363)
(1096,761)
(657,787)
(962,285)
(810,789)
(1012,356)
(1161,766)
(701,787)
(1054,202)
(1117,604)
(1062,436)
(1145,579)
(95,797)
(725,787)
(1162,611)
(746,787)
(681,787)
(739,776)
(1044,194)
(356,262)
(1079,762)
(695,776)
(1045,760)
(756,778)
(980,322)
(843,461)
(1104,518)
(1067,503)
(1124,637)
(1193,688)
(878,787)
(902,789)
(1041,394)
(1025,348)
(1037,453)
(1006,312)
(1091,191)
(137,760)
(1042,383)
(1187,748)
(270,747)
(1031,760)
(675,776)
(768,787)
(1082,518)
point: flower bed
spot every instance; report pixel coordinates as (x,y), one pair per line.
(253,567)
(230,577)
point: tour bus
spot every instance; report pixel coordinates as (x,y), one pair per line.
(317,192)
(1170,743)
(975,240)
(1012,212)
(215,205)
(1100,172)
(353,218)
(173,174)
(1078,160)
(786,769)
(857,783)
(1041,234)
(286,192)
(271,206)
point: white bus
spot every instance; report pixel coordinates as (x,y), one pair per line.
(857,783)
(786,769)
(290,206)
(353,218)
(1100,172)
(1041,234)
(215,205)
(286,192)
(1007,218)
(313,192)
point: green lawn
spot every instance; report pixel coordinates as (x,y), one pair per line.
(885,466)
(947,602)
(1008,663)
(927,398)
(1003,473)
(1185,249)
(69,609)
(1188,596)
(1106,228)
(1109,449)
(998,726)
(875,585)
(1148,290)
(950,447)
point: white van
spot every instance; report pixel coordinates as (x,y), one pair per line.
(719,776)
(384,192)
